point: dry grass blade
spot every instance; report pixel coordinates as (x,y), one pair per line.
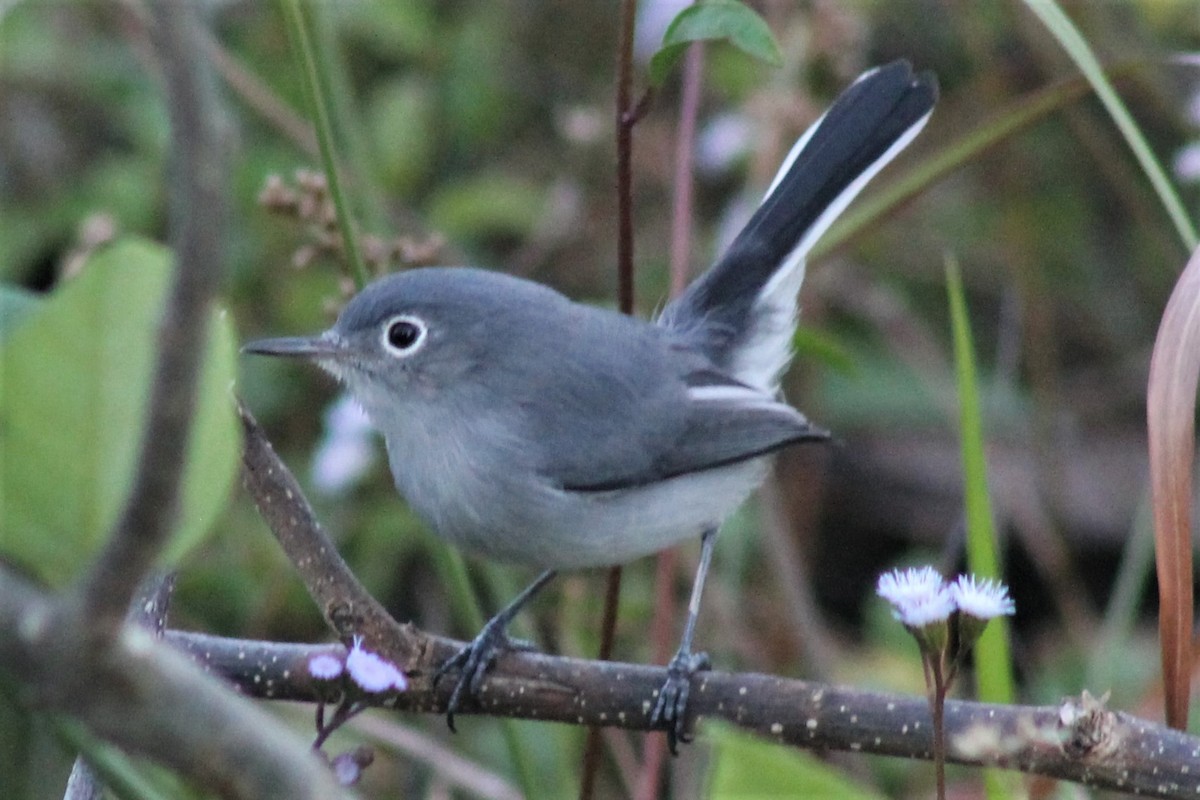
(1170,417)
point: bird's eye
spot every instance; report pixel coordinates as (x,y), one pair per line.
(404,335)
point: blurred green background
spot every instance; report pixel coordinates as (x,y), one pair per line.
(481,133)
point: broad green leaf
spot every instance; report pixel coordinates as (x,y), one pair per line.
(74,378)
(15,303)
(730,20)
(746,766)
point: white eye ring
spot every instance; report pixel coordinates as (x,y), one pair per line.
(404,335)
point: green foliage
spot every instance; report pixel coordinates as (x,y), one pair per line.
(728,20)
(316,84)
(815,345)
(113,767)
(487,204)
(75,378)
(402,120)
(473,114)
(15,303)
(746,766)
(1059,24)
(993,657)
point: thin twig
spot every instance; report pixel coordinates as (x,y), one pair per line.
(148,609)
(682,181)
(318,103)
(624,141)
(456,770)
(625,120)
(1078,740)
(261,99)
(680,258)
(347,606)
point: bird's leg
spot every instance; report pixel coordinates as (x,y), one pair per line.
(474,660)
(671,709)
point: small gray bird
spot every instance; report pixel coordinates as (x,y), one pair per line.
(528,428)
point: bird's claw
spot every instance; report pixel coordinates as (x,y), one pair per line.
(670,711)
(473,662)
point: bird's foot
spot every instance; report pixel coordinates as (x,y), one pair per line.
(473,662)
(670,712)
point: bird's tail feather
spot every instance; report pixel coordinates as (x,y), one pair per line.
(742,312)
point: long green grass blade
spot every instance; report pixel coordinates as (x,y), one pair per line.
(993,659)
(318,107)
(317,83)
(1061,27)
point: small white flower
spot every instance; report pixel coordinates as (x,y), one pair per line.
(372,672)
(918,612)
(325,666)
(981,599)
(919,596)
(905,585)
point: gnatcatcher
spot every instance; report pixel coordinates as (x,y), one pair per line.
(531,429)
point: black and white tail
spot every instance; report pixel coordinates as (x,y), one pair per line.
(742,312)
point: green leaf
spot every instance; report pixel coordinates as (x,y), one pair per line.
(15,303)
(746,766)
(74,378)
(730,20)
(811,344)
(1077,47)
(487,204)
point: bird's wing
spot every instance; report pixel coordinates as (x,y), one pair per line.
(722,422)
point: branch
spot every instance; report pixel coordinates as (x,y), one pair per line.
(347,606)
(1078,740)
(149,610)
(148,699)
(197,216)
(74,655)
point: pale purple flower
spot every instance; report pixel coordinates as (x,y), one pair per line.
(347,451)
(1187,163)
(372,672)
(346,770)
(723,141)
(1193,106)
(348,766)
(653,17)
(325,666)
(981,599)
